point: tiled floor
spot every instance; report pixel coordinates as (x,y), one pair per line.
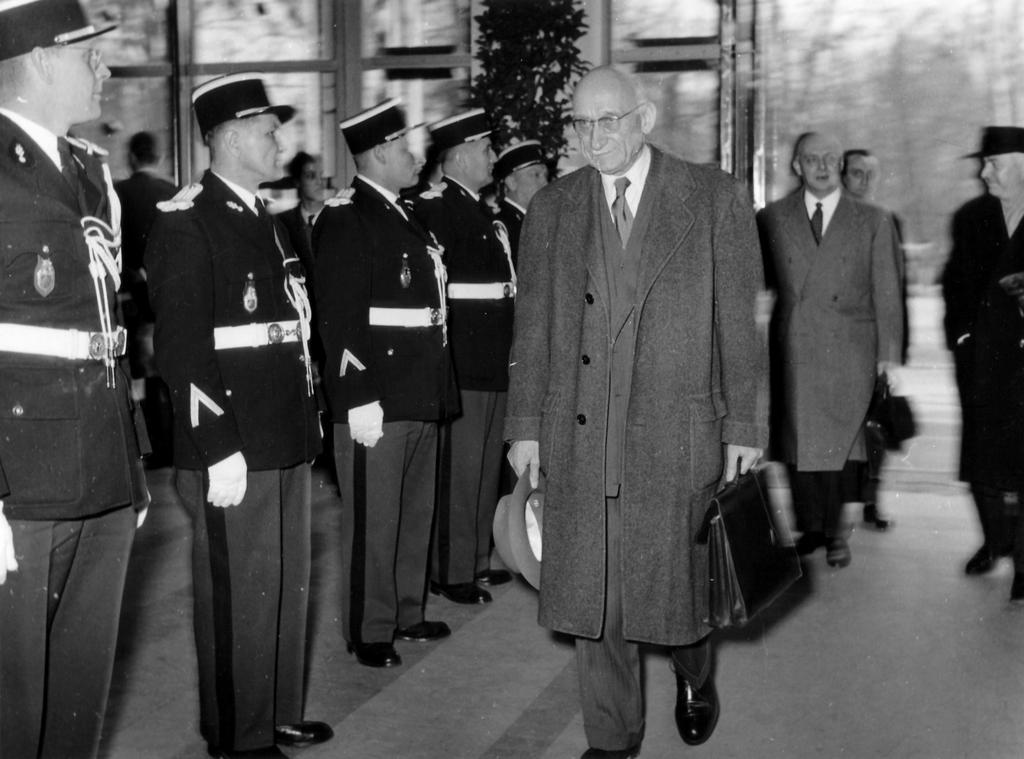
(899,655)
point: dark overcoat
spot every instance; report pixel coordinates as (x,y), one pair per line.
(985,331)
(698,365)
(838,314)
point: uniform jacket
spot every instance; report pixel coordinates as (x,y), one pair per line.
(480,330)
(697,367)
(201,261)
(68,444)
(985,331)
(512,218)
(298,230)
(367,256)
(837,315)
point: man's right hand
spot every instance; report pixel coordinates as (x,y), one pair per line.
(523,455)
(366,423)
(8,562)
(227,481)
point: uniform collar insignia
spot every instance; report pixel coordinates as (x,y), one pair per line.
(21,154)
(236,207)
(434,191)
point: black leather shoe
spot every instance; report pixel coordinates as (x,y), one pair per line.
(1017,589)
(424,631)
(982,561)
(375,654)
(269,752)
(696,710)
(301,734)
(809,542)
(493,577)
(873,517)
(461,593)
(604,753)
(837,553)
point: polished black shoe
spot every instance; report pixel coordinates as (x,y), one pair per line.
(604,753)
(1017,589)
(809,542)
(696,710)
(982,561)
(493,577)
(873,517)
(269,752)
(375,654)
(461,593)
(424,631)
(837,553)
(302,734)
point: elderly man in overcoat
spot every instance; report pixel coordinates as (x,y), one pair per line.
(837,324)
(984,329)
(635,373)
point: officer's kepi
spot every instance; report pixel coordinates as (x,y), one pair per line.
(28,24)
(235,96)
(459,129)
(518,156)
(384,122)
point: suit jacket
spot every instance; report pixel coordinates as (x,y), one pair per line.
(697,366)
(984,329)
(480,330)
(203,262)
(139,195)
(368,256)
(69,445)
(838,314)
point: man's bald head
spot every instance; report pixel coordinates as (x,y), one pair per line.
(612,118)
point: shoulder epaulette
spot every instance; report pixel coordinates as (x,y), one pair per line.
(182,200)
(341,198)
(89,147)
(434,191)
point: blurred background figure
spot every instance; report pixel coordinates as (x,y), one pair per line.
(984,328)
(139,195)
(518,173)
(306,175)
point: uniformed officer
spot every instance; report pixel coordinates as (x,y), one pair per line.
(71,478)
(518,173)
(232,320)
(382,308)
(481,289)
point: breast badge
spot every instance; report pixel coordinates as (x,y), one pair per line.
(249,300)
(405,276)
(44,277)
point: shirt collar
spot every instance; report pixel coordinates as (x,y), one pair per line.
(391,197)
(472,194)
(43,137)
(515,205)
(249,198)
(637,176)
(828,203)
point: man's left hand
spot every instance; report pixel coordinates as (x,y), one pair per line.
(742,457)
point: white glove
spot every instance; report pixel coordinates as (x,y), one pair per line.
(366,423)
(8,562)
(227,481)
(523,455)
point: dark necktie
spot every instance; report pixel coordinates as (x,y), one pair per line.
(620,211)
(816,222)
(68,169)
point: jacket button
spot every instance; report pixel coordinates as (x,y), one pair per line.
(581,418)
(17,410)
(589,298)
(391,351)
(585,359)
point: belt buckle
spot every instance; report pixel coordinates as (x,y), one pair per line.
(97,345)
(275,334)
(435,316)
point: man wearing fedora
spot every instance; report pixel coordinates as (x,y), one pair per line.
(71,476)
(232,324)
(982,286)
(519,172)
(636,374)
(481,292)
(380,292)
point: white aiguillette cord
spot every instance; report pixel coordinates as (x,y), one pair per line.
(295,290)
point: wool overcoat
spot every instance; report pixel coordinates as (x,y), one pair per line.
(838,314)
(698,366)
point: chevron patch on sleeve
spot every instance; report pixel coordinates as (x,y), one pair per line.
(349,360)
(198,397)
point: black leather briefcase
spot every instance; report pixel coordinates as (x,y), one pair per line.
(750,560)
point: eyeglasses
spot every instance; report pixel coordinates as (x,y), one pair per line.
(829,160)
(605,124)
(93,56)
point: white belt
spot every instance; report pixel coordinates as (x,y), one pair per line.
(256,335)
(481,290)
(406,317)
(62,343)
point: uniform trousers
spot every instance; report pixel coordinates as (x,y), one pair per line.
(818,498)
(611,693)
(59,615)
(387,502)
(250,578)
(468,482)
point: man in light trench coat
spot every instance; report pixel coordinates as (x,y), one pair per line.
(635,376)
